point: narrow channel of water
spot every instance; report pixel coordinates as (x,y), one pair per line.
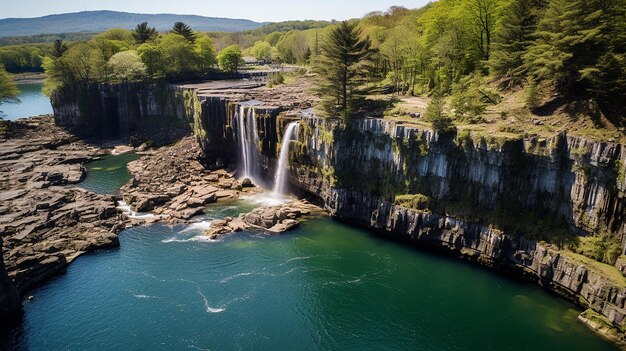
(32,102)
(106,176)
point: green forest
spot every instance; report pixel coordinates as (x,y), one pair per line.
(464,53)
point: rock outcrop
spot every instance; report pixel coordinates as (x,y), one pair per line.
(172,183)
(159,112)
(45,222)
(471,185)
(272,219)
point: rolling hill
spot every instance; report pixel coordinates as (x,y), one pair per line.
(98,21)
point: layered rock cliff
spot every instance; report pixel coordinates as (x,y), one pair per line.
(574,181)
(119,111)
(10,302)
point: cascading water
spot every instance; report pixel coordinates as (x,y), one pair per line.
(248,140)
(280,180)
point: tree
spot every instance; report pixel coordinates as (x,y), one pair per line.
(262,50)
(118,35)
(151,57)
(230,59)
(436,115)
(342,69)
(181,28)
(82,63)
(177,54)
(143,33)
(293,47)
(484,17)
(205,52)
(513,37)
(8,89)
(127,66)
(273,38)
(58,48)
(575,42)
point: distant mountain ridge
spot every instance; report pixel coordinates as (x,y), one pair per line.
(98,21)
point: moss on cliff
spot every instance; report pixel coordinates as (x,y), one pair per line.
(604,248)
(413,201)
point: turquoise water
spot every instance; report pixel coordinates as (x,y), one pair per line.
(32,102)
(325,286)
(106,176)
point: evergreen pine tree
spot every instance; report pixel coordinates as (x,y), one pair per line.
(342,69)
(142,33)
(549,57)
(182,29)
(513,36)
(606,76)
(575,41)
(436,114)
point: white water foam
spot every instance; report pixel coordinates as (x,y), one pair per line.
(245,274)
(199,239)
(126,210)
(147,297)
(267,199)
(197,226)
(210,309)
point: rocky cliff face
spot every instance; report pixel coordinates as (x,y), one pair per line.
(119,111)
(10,302)
(575,181)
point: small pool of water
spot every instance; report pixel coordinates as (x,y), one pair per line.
(32,102)
(108,175)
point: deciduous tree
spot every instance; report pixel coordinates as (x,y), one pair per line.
(230,59)
(8,89)
(126,66)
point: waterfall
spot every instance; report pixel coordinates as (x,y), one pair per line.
(248,141)
(280,180)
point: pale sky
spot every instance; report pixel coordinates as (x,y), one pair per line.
(257,10)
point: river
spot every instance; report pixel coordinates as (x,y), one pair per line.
(32,102)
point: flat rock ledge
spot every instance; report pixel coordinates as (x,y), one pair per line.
(172,184)
(45,222)
(272,219)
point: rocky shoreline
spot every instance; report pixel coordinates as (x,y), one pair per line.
(46,222)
